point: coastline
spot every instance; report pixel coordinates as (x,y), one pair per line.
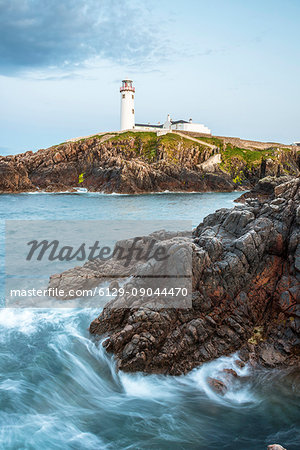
(242,297)
(77,191)
(140,163)
(66,329)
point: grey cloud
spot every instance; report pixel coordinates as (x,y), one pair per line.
(67,33)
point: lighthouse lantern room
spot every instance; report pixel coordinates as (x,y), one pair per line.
(127,105)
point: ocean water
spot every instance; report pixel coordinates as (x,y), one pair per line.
(59,389)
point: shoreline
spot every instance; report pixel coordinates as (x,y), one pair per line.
(245,294)
(79,192)
(140,163)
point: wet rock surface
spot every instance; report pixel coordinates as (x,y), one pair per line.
(116,269)
(264,189)
(217,385)
(275,447)
(246,294)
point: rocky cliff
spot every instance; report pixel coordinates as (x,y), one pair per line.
(143,162)
(246,294)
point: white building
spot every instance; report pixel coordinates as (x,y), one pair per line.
(183,125)
(127,105)
(128,123)
(176,125)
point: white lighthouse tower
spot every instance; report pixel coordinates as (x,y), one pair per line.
(127,105)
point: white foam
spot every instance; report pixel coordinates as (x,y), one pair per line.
(77,190)
(22,320)
(237,393)
(145,386)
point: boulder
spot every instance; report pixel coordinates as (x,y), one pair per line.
(246,295)
(218,386)
(275,447)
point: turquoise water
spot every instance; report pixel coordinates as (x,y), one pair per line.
(60,390)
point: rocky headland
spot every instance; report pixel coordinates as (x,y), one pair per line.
(140,162)
(245,278)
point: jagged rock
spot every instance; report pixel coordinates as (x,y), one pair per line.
(264,188)
(126,163)
(246,295)
(230,372)
(276,447)
(96,270)
(239,363)
(218,386)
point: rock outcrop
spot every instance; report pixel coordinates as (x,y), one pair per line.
(143,162)
(275,447)
(264,188)
(246,295)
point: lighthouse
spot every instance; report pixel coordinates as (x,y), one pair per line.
(127,105)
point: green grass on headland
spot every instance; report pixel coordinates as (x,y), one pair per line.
(213,141)
(144,135)
(147,143)
(250,156)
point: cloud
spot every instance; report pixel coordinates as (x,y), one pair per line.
(64,34)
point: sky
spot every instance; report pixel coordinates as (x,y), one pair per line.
(231,65)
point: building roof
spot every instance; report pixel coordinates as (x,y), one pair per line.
(173,122)
(148,125)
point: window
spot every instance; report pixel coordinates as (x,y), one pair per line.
(123,96)
(133,111)
(132,97)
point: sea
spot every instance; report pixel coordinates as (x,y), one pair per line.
(59,389)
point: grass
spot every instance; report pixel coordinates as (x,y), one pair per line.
(169,138)
(212,140)
(98,136)
(248,155)
(143,135)
(172,138)
(147,143)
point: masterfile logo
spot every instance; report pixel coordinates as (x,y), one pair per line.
(54,263)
